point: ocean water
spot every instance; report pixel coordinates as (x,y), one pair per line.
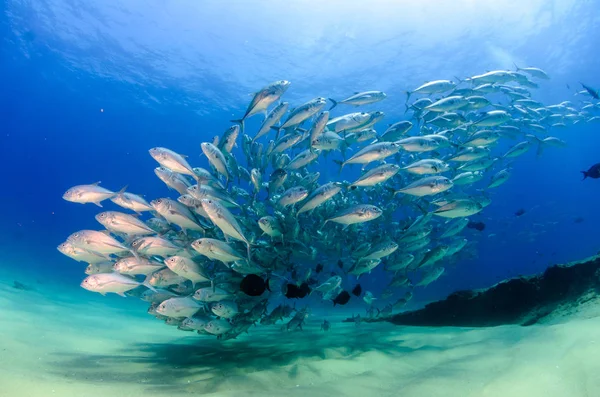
(89,87)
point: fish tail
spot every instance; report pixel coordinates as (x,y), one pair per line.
(459,79)
(407,107)
(248,249)
(240,122)
(334,103)
(516,67)
(408,95)
(278,130)
(120,192)
(585,174)
(146,283)
(341,164)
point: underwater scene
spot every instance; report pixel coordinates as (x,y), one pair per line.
(325,198)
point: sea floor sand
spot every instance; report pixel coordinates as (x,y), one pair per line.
(51,345)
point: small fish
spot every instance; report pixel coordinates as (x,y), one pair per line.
(172,161)
(225,221)
(360,98)
(93,193)
(432,87)
(272,119)
(254,285)
(179,307)
(520,212)
(225,309)
(427,186)
(292,291)
(342,298)
(119,222)
(593,93)
(356,214)
(357,290)
(331,284)
(104,283)
(593,172)
(476,225)
(263,99)
(218,326)
(369,298)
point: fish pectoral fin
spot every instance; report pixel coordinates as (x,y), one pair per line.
(121,294)
(98,204)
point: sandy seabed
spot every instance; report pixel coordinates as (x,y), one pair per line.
(54,345)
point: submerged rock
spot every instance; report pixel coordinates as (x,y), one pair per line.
(559,290)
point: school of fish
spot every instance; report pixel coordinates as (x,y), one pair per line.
(258,227)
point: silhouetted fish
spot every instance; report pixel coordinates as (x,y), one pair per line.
(357,290)
(340,264)
(295,292)
(319,268)
(342,298)
(476,225)
(253,285)
(21,286)
(520,212)
(593,172)
(594,93)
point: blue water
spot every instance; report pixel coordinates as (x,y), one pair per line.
(89,87)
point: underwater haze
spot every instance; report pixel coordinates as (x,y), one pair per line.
(89,87)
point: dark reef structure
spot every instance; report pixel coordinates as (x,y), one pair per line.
(522,300)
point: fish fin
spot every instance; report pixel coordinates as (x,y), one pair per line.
(123,190)
(408,95)
(585,175)
(516,67)
(240,122)
(98,204)
(97,183)
(341,164)
(146,283)
(334,103)
(121,294)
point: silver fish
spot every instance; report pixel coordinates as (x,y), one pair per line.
(263,99)
(360,98)
(356,214)
(90,194)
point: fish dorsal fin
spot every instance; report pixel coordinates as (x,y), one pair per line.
(356,92)
(95,183)
(215,140)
